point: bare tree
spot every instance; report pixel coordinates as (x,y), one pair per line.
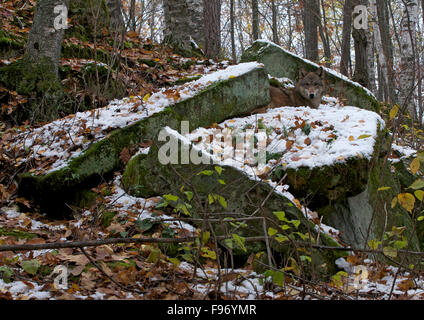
(255,20)
(275,37)
(212,16)
(310,23)
(407,63)
(232,31)
(347,29)
(361,57)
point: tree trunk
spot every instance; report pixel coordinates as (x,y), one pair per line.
(310,17)
(347,29)
(371,62)
(116,19)
(407,63)
(387,48)
(233,36)
(45,41)
(274,9)
(133,22)
(255,20)
(323,32)
(184,21)
(361,58)
(212,16)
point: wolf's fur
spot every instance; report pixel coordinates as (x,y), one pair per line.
(307,92)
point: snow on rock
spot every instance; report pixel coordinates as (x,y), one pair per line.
(305,137)
(64,139)
(328,70)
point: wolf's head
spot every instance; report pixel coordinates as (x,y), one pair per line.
(311,84)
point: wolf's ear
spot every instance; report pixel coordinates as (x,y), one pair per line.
(302,73)
(321,72)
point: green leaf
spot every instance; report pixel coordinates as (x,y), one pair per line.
(400,244)
(280,215)
(278,278)
(154,255)
(218,169)
(6,274)
(394,111)
(189,195)
(296,223)
(144,225)
(31,266)
(420,218)
(210,198)
(272,232)
(207,253)
(222,202)
(174,261)
(206,237)
(419,184)
(373,244)
(206,173)
(221,181)
(419,194)
(239,241)
(390,252)
(281,238)
(364,136)
(170,197)
(384,188)
(306,258)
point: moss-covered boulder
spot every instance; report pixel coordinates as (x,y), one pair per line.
(208,187)
(37,81)
(235,95)
(282,63)
(368,215)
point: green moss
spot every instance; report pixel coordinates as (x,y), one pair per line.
(17,234)
(216,103)
(70,50)
(39,83)
(107,218)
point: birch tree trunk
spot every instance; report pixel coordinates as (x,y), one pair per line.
(45,41)
(407,64)
(184,21)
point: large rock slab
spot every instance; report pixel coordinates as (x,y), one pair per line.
(282,63)
(333,159)
(94,147)
(235,193)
